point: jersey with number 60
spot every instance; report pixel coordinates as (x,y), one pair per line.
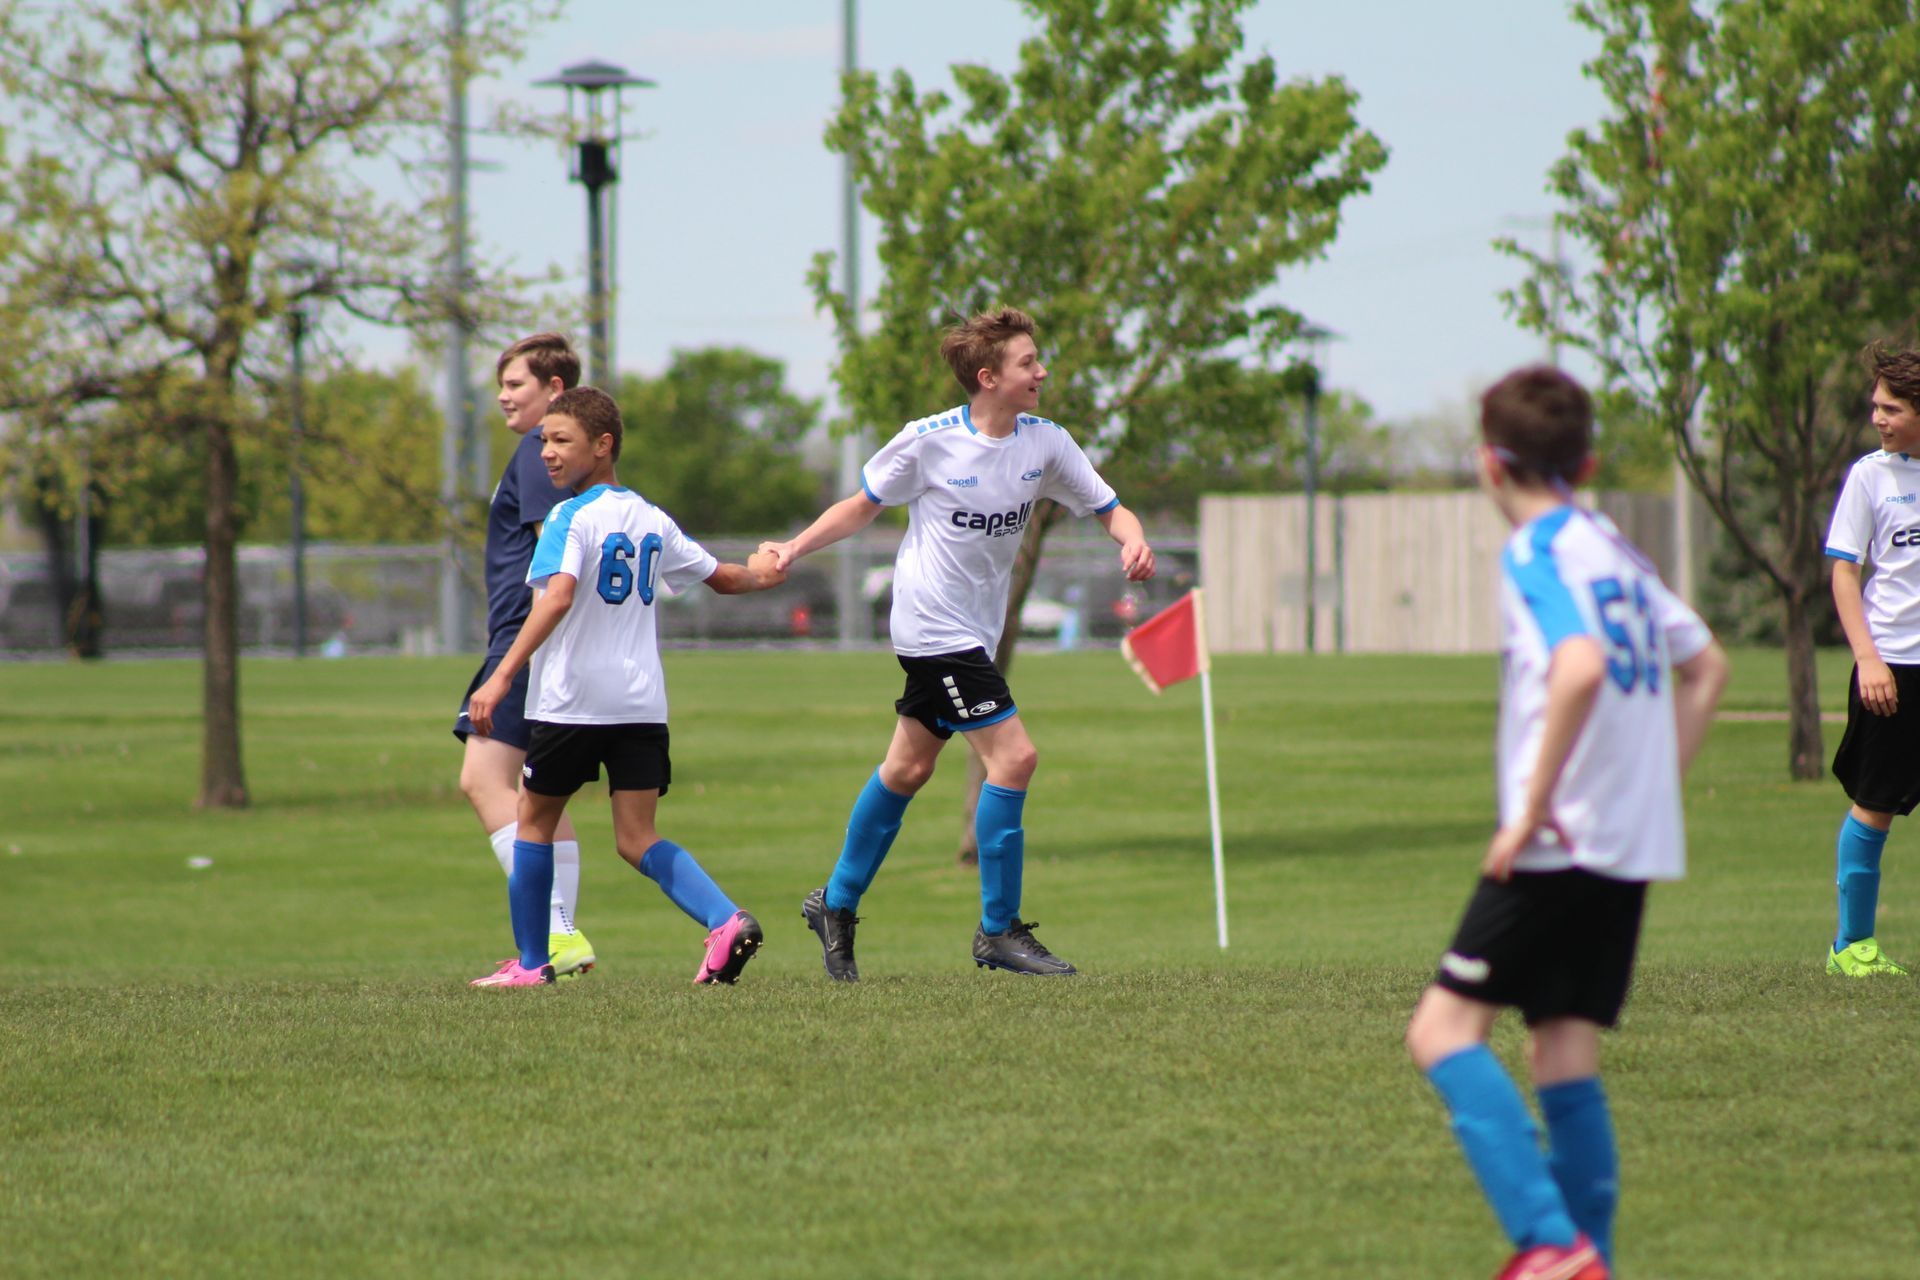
(601,665)
(1570,573)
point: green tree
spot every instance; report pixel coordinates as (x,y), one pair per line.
(196,168)
(1137,183)
(715,441)
(1750,200)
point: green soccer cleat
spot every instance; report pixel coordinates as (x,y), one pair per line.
(1863,959)
(571,953)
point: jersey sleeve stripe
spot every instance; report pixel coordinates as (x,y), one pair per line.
(551,551)
(1100,511)
(1538,580)
(868,490)
(1837,554)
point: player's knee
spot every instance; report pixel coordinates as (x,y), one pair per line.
(1018,765)
(906,777)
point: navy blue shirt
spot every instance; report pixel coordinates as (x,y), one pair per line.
(520,503)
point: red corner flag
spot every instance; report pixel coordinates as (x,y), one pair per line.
(1167,648)
(1171,646)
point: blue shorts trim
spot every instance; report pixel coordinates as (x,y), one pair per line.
(969,726)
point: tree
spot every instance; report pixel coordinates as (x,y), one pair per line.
(1750,200)
(196,168)
(1137,184)
(715,441)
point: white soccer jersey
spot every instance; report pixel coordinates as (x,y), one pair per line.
(1570,573)
(1877,521)
(968,498)
(601,665)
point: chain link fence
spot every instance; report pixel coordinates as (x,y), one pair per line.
(385,599)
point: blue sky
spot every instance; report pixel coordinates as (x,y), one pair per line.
(724,202)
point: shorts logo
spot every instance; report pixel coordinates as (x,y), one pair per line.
(985,708)
(1037,472)
(965,482)
(526,771)
(1905,498)
(1464,968)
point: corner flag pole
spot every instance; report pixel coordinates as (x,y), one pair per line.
(1167,648)
(1213,780)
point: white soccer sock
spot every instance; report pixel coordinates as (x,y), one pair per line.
(566,874)
(566,885)
(502,841)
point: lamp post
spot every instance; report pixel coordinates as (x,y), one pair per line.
(1316,340)
(596,167)
(296,488)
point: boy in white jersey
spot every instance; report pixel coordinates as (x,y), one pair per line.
(1877,519)
(970,478)
(598,693)
(1609,683)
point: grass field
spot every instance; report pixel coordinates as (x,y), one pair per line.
(273,1066)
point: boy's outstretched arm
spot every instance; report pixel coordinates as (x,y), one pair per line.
(843,519)
(1136,557)
(548,608)
(762,570)
(1697,683)
(1877,690)
(1574,675)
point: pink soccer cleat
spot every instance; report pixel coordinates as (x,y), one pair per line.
(511,974)
(1577,1261)
(728,949)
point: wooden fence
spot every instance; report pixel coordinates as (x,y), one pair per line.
(1398,572)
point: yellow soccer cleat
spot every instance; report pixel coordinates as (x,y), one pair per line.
(1863,959)
(570,953)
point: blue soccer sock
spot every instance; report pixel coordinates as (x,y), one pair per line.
(529,893)
(1502,1146)
(1857,853)
(1582,1157)
(871,827)
(1003,850)
(687,883)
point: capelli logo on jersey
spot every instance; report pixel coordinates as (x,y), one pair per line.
(996,525)
(1905,499)
(1909,537)
(964,482)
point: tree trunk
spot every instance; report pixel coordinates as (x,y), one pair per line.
(1806,754)
(223,783)
(1045,515)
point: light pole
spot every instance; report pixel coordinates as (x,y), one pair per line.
(596,167)
(296,487)
(846,593)
(1316,340)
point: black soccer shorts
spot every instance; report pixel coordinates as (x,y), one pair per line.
(1878,761)
(565,757)
(1553,944)
(951,692)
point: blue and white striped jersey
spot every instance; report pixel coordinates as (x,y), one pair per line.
(601,665)
(1569,573)
(968,498)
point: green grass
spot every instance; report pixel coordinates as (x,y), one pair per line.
(273,1066)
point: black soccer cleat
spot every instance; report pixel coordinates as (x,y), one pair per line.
(836,936)
(1018,951)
